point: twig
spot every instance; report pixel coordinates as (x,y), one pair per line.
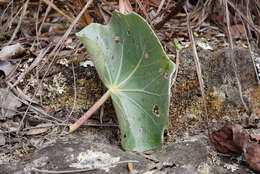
(58,10)
(33,65)
(145,13)
(198,69)
(101,114)
(243,16)
(23,99)
(25,129)
(54,51)
(174,11)
(44,18)
(232,57)
(147,156)
(37,25)
(20,22)
(160,7)
(81,170)
(249,45)
(4,11)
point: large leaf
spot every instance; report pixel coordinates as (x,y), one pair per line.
(132,64)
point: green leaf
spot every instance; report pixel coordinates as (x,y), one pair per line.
(134,67)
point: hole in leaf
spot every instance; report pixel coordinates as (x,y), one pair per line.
(117,39)
(161,71)
(141,130)
(156,110)
(166,75)
(124,136)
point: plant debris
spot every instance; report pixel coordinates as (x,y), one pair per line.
(232,138)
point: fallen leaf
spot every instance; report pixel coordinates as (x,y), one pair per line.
(125,6)
(234,138)
(156,2)
(252,156)
(237,31)
(10,125)
(240,136)
(6,68)
(11,51)
(39,129)
(8,104)
(2,140)
(223,140)
(255,137)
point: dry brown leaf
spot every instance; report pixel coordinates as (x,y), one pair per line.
(125,6)
(240,136)
(86,17)
(11,51)
(10,125)
(252,156)
(255,137)
(237,31)
(156,2)
(6,67)
(223,140)
(233,138)
(39,129)
(2,140)
(8,104)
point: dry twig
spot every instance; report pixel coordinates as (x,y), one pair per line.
(232,57)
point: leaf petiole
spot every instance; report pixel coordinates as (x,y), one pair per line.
(88,114)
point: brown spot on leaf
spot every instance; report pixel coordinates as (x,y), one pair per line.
(161,71)
(146,55)
(128,33)
(156,110)
(166,75)
(117,39)
(141,130)
(97,38)
(112,57)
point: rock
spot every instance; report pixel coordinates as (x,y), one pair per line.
(182,157)
(191,155)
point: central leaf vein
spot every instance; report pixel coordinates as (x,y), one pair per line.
(134,70)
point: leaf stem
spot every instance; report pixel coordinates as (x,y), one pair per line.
(88,114)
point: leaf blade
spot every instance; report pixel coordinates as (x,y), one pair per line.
(137,72)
